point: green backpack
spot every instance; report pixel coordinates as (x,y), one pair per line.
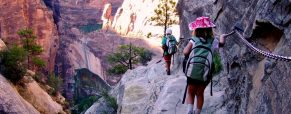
(199,66)
(171,44)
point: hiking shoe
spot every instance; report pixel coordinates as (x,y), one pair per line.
(190,112)
(168,72)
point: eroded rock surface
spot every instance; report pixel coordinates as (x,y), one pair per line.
(2,45)
(148,90)
(41,100)
(11,101)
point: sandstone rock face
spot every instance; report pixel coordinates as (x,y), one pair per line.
(82,57)
(74,18)
(40,99)
(132,19)
(11,101)
(106,16)
(254,84)
(32,14)
(2,45)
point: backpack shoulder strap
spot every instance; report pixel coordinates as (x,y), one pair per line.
(171,38)
(195,39)
(211,40)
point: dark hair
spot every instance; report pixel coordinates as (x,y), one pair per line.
(204,32)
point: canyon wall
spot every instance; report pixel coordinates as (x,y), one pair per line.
(77,20)
(133,19)
(20,14)
(250,83)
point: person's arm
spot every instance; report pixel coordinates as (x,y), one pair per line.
(164,40)
(222,39)
(187,49)
(175,40)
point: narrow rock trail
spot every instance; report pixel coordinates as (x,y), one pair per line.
(149,90)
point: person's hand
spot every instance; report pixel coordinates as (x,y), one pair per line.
(223,36)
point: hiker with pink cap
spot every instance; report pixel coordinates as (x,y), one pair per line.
(198,65)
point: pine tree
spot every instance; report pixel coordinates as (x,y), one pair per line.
(165,14)
(32,48)
(126,57)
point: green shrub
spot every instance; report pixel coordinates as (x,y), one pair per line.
(217,63)
(146,57)
(12,63)
(149,35)
(55,82)
(118,69)
(38,77)
(104,112)
(128,56)
(86,103)
(38,62)
(111,101)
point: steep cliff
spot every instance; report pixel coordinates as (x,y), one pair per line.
(11,101)
(19,14)
(250,82)
(39,98)
(82,44)
(29,98)
(75,19)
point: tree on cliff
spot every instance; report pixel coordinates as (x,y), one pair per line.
(126,56)
(165,14)
(32,48)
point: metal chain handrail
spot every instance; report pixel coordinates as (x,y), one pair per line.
(264,53)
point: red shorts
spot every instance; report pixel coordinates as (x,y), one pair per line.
(167,58)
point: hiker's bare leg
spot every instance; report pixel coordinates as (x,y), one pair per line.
(190,98)
(191,94)
(168,65)
(200,96)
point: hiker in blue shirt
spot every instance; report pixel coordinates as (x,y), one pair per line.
(169,43)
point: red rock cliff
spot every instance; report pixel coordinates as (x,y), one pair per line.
(18,14)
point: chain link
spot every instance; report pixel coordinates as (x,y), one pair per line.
(264,53)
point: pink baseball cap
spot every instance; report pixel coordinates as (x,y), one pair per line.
(201,22)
